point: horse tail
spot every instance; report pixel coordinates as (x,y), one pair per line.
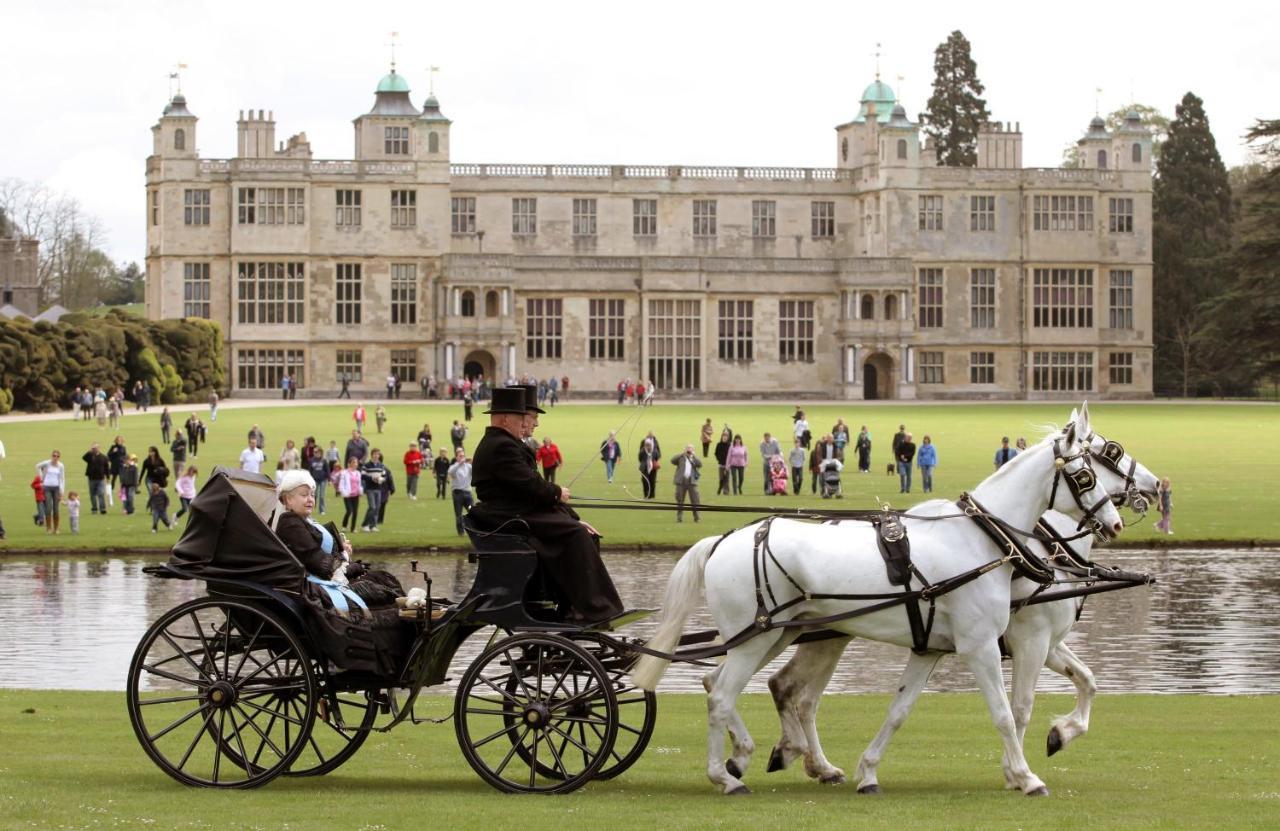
(684,589)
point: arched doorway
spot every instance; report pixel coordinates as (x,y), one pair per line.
(479,363)
(877,377)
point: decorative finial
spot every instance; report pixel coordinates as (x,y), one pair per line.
(898,98)
(877,60)
(431,79)
(1097,96)
(175,79)
(392,44)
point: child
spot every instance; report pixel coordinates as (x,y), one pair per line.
(129,482)
(1166,507)
(186,488)
(37,485)
(158,504)
(380,416)
(73,510)
(778,475)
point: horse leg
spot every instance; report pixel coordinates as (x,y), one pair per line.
(1029,646)
(1065,728)
(727,682)
(983,658)
(797,690)
(740,755)
(914,676)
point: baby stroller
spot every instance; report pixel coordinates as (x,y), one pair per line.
(829,475)
(777,476)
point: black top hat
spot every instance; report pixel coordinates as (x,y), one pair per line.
(507,400)
(530,397)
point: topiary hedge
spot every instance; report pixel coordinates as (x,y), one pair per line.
(41,362)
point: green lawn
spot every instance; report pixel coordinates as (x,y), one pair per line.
(70,760)
(1217,455)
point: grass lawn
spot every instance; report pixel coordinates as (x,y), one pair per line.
(1222,489)
(70,760)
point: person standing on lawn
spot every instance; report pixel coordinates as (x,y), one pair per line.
(707,433)
(549,457)
(906,454)
(927,460)
(412,470)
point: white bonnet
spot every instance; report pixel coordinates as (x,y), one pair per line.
(294,479)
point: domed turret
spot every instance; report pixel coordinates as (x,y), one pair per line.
(392,96)
(878,97)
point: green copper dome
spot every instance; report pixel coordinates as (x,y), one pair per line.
(392,82)
(879,95)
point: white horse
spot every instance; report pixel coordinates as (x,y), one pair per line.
(1035,638)
(844,560)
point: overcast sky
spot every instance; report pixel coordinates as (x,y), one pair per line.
(735,83)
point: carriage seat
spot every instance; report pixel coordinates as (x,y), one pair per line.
(508,575)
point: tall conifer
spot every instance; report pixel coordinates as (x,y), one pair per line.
(955,110)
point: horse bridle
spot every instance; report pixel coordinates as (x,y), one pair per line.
(1079,482)
(1111,457)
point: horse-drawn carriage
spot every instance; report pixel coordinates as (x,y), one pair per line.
(257,679)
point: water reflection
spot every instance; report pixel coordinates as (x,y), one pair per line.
(1211,624)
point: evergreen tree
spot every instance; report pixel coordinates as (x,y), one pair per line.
(1191,234)
(1244,325)
(955,110)
(6,228)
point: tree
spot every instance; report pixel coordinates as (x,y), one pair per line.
(69,239)
(123,286)
(1244,324)
(1191,217)
(955,110)
(6,227)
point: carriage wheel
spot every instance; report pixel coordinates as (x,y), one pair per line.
(637,708)
(214,683)
(536,714)
(337,734)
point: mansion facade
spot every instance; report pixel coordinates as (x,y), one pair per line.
(884,276)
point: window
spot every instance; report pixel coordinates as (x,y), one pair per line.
(1062,213)
(195,206)
(246,206)
(929,367)
(982,213)
(467,304)
(606,333)
(1102,160)
(433,142)
(930,298)
(736,325)
(584,217)
(795,331)
(704,218)
(1120,300)
(868,307)
(349,364)
(1137,153)
(179,139)
(1062,298)
(1062,371)
(1121,221)
(396,141)
(902,148)
(196,290)
(982,367)
(348,208)
(348,290)
(644,217)
(404,365)
(404,208)
(404,294)
(491,303)
(463,211)
(524,216)
(764,219)
(891,307)
(155,207)
(930,213)
(675,344)
(543,322)
(270,293)
(262,369)
(270,206)
(982,298)
(295,206)
(1120,368)
(823,219)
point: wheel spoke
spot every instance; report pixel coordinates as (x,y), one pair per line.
(248,649)
(181,721)
(244,755)
(265,738)
(191,747)
(599,735)
(185,655)
(200,632)
(533,765)
(519,675)
(190,682)
(560,766)
(173,699)
(217,746)
(287,719)
(501,732)
(508,696)
(569,738)
(507,759)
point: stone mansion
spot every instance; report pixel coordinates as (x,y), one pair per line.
(884,276)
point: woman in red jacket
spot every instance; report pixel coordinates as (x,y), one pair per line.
(412,468)
(549,457)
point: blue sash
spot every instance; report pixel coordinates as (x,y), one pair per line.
(326,539)
(338,593)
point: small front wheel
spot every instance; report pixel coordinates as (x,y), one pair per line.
(536,714)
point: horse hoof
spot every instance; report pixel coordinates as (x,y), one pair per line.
(833,779)
(776,761)
(733,769)
(741,790)
(1040,791)
(869,790)
(1054,742)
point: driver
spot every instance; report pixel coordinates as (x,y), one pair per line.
(509,487)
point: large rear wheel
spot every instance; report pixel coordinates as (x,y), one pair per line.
(221,694)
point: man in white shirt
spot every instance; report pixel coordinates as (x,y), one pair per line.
(251,458)
(460,477)
(688,468)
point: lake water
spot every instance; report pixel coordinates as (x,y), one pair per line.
(1210,625)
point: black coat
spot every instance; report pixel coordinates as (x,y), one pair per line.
(505,481)
(116,456)
(96,465)
(304,541)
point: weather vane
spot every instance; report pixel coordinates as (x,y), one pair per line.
(1097,97)
(392,44)
(877,60)
(176,76)
(431,79)
(900,80)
